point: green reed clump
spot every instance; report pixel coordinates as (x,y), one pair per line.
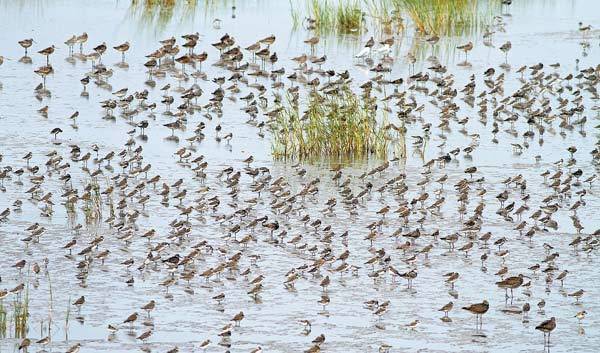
(342,125)
(15,316)
(448,17)
(3,320)
(330,16)
(92,207)
(384,16)
(21,315)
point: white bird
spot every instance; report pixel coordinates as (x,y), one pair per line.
(363,53)
(385,50)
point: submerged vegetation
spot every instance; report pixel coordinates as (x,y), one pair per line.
(334,124)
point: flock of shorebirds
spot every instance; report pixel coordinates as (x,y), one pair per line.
(393,234)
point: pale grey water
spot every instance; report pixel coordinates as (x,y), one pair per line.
(540,31)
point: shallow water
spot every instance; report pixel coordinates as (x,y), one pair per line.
(540,31)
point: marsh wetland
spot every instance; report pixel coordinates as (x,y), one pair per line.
(302,176)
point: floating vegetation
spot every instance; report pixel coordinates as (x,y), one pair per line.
(326,16)
(447,17)
(335,125)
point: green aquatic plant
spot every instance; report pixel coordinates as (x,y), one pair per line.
(21,314)
(327,16)
(384,16)
(334,125)
(92,207)
(448,17)
(15,315)
(441,17)
(3,320)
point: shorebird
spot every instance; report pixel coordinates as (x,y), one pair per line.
(268,40)
(81,40)
(547,327)
(144,336)
(238,318)
(433,40)
(74,348)
(204,344)
(446,308)
(413,324)
(26,44)
(149,307)
(580,315)
(47,52)
(56,131)
(184,60)
(122,48)
(131,319)
(511,283)
(79,302)
(100,49)
(584,29)
(478,309)
(70,42)
(505,48)
(525,309)
(577,294)
(466,48)
(25,343)
(43,341)
(307,325)
(44,71)
(319,340)
(312,41)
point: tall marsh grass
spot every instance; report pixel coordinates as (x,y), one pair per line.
(334,126)
(441,17)
(326,16)
(14,315)
(447,17)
